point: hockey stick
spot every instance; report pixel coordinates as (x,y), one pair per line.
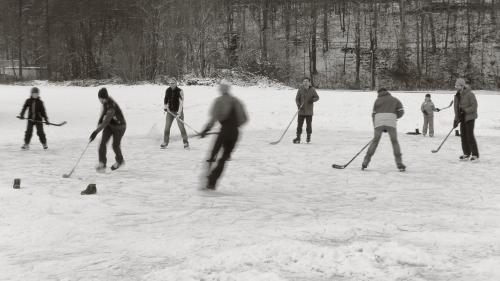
(335,166)
(296,113)
(451,103)
(182,121)
(77,162)
(45,122)
(436,150)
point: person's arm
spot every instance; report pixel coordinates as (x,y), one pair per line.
(422,108)
(165,101)
(44,112)
(399,110)
(25,107)
(108,116)
(297,99)
(315,96)
(211,121)
(181,103)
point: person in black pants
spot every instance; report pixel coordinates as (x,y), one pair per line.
(466,115)
(112,123)
(230,113)
(36,116)
(305,99)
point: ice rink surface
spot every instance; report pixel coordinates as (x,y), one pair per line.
(280,213)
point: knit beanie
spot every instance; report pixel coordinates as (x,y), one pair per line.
(103,93)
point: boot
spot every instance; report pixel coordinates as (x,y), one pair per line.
(44,146)
(296,140)
(91,189)
(101,167)
(117,165)
(25,146)
(401,167)
(308,138)
(186,145)
(163,145)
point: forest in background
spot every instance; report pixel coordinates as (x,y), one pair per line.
(360,44)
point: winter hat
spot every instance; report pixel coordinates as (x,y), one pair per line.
(382,90)
(460,82)
(35,90)
(428,95)
(103,93)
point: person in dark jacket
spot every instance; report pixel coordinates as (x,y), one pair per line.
(231,114)
(36,117)
(466,115)
(113,124)
(174,106)
(305,99)
(386,110)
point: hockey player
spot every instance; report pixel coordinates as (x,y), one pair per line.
(230,113)
(174,106)
(36,117)
(386,110)
(428,110)
(305,99)
(112,123)
(466,115)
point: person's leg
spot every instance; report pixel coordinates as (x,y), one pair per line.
(228,146)
(309,125)
(377,134)
(471,139)
(393,134)
(41,133)
(216,148)
(182,129)
(117,140)
(106,135)
(29,132)
(168,124)
(431,126)
(463,137)
(426,125)
(300,124)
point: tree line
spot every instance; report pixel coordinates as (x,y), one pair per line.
(355,44)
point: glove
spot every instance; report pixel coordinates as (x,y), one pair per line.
(92,136)
(47,122)
(455,123)
(20,117)
(437,109)
(311,101)
(425,113)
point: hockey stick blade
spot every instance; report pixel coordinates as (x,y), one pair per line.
(435,151)
(335,166)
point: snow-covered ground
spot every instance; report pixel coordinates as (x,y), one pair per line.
(281,212)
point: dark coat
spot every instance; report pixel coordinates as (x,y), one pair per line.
(306,98)
(111,115)
(465,105)
(36,109)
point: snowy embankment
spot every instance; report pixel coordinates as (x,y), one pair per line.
(281,212)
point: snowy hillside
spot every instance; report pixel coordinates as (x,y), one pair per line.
(280,213)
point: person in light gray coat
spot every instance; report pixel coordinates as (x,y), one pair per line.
(386,110)
(305,99)
(428,110)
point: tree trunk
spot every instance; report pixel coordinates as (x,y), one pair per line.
(358,44)
(265,29)
(47,34)
(312,55)
(433,34)
(20,39)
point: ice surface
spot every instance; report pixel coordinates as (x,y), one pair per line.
(281,212)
